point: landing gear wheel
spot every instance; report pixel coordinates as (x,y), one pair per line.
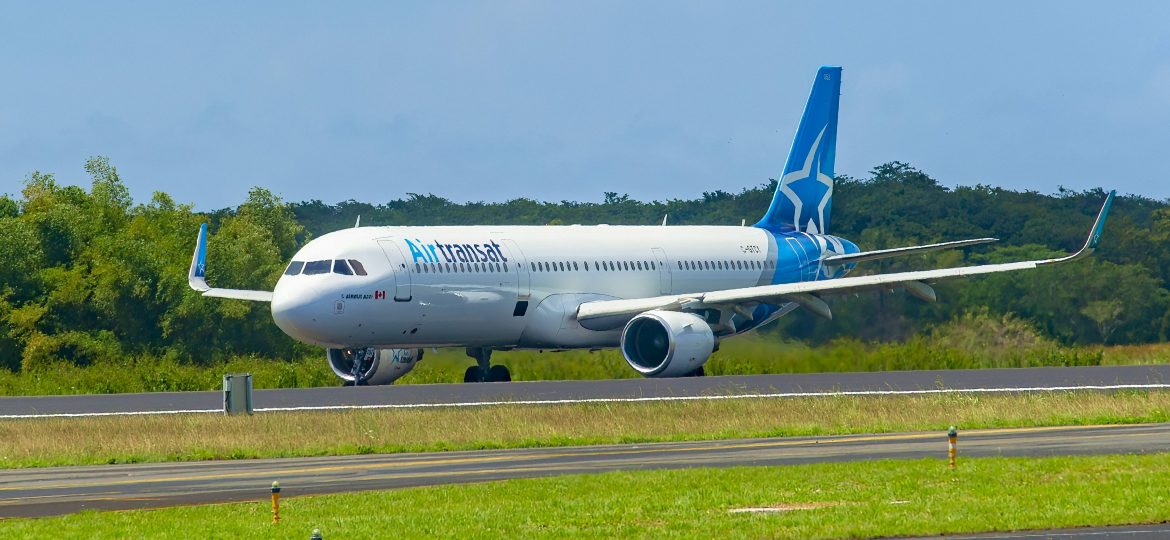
(697,373)
(473,374)
(499,373)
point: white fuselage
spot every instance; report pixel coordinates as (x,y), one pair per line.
(517,286)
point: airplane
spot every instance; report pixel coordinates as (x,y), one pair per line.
(376,297)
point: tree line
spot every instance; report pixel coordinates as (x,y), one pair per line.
(88,275)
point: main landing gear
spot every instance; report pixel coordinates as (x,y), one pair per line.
(484,371)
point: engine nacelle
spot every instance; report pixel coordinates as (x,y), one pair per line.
(667,343)
(374,366)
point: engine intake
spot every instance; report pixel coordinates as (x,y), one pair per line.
(373,366)
(667,343)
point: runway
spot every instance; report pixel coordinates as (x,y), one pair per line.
(429,395)
(61,490)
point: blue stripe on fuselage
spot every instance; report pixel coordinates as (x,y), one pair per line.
(799,255)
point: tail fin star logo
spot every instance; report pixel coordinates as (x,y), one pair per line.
(809,184)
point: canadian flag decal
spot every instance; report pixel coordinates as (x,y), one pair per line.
(379,295)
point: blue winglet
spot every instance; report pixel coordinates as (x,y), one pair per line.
(197,274)
(1099,225)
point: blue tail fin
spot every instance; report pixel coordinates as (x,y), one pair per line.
(804,195)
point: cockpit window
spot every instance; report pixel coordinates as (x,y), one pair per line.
(294,268)
(342,267)
(317,267)
(357,267)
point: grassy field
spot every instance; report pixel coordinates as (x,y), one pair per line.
(741,356)
(832,500)
(95,440)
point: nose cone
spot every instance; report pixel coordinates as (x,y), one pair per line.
(299,312)
(288,313)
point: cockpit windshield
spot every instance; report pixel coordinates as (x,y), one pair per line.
(317,267)
(345,267)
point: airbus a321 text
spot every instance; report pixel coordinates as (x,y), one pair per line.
(375,297)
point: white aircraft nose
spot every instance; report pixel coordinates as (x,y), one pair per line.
(299,315)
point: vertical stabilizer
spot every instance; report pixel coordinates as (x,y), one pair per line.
(804,195)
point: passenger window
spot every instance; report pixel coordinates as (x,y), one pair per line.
(317,267)
(342,267)
(294,268)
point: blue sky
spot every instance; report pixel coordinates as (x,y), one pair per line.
(559,100)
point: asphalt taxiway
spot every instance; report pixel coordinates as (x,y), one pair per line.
(429,395)
(60,490)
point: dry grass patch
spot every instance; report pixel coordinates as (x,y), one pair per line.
(41,442)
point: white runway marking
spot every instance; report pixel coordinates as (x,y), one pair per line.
(624,400)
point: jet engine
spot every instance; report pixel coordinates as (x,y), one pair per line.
(368,365)
(667,343)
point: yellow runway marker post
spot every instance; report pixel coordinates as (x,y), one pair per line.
(275,503)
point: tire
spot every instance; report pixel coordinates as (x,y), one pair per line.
(473,374)
(499,373)
(697,373)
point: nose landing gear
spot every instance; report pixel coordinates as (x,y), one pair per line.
(483,371)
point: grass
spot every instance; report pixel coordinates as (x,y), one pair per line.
(829,500)
(96,440)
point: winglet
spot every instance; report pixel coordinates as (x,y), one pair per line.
(1094,234)
(196,276)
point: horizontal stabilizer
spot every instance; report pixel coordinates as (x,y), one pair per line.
(849,258)
(196,275)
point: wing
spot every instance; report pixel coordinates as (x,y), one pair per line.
(197,280)
(803,293)
(898,252)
